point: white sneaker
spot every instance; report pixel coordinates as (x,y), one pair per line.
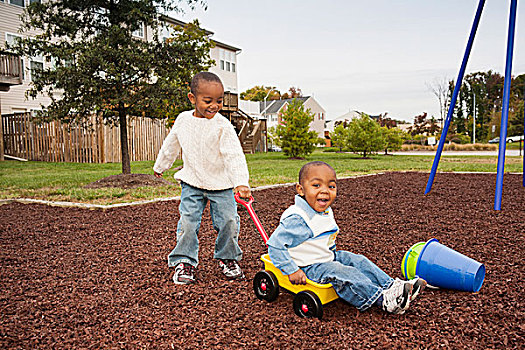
(184,274)
(396,299)
(231,269)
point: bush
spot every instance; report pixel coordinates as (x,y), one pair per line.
(295,138)
(459,139)
(416,140)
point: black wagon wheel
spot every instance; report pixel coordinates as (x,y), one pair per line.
(307,304)
(266,286)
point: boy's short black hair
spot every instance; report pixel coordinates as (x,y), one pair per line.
(304,170)
(201,77)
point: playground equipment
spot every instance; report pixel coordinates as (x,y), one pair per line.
(309,298)
(505,106)
(442,267)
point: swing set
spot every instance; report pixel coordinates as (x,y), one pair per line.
(505,106)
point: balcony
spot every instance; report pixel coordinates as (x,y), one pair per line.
(10,70)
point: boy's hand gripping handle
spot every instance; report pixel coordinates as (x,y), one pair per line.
(248,206)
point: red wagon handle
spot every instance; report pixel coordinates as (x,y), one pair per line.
(256,221)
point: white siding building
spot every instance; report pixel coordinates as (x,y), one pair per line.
(272,110)
(14,101)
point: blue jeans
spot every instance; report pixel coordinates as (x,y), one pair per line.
(355,278)
(223,209)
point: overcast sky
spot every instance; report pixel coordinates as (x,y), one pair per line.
(373,56)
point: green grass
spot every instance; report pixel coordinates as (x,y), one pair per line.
(65,181)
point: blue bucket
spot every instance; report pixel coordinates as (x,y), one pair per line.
(443,267)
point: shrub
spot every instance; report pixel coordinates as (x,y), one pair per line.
(295,138)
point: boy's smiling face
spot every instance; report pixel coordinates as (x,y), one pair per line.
(318,187)
(207,99)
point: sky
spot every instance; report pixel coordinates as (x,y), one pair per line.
(372,56)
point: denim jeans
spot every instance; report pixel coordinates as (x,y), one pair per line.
(223,209)
(355,278)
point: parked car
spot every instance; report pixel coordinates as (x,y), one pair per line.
(274,148)
(510,139)
(516,138)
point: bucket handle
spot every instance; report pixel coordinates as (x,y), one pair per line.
(406,263)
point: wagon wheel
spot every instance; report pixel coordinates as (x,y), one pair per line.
(266,286)
(307,304)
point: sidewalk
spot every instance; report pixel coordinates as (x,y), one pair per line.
(508,152)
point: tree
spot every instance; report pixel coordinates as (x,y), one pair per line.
(516,109)
(293,92)
(365,136)
(272,136)
(383,120)
(293,132)
(340,136)
(439,87)
(393,138)
(420,126)
(259,92)
(487,87)
(99,66)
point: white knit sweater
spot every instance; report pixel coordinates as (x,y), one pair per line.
(211,152)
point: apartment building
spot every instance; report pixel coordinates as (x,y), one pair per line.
(14,100)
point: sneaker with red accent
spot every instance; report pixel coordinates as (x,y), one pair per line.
(184,274)
(231,269)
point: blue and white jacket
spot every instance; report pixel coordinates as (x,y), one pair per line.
(303,237)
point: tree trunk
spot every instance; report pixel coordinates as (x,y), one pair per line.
(1,135)
(123,122)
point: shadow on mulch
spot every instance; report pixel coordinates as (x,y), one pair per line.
(129,181)
(76,278)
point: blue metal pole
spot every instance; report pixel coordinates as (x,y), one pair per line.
(505,107)
(444,132)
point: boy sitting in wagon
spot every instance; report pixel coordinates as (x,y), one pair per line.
(303,246)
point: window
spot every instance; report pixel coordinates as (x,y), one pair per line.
(36,68)
(166,32)
(11,38)
(35,1)
(16,2)
(22,67)
(139,32)
(227,60)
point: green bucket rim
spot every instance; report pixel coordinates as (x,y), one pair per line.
(404,262)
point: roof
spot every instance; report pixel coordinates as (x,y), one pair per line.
(274,106)
(226,46)
(347,116)
(177,22)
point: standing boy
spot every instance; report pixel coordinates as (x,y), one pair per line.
(214,168)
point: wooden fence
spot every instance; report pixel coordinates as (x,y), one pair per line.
(58,142)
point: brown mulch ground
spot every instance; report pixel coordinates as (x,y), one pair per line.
(77,278)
